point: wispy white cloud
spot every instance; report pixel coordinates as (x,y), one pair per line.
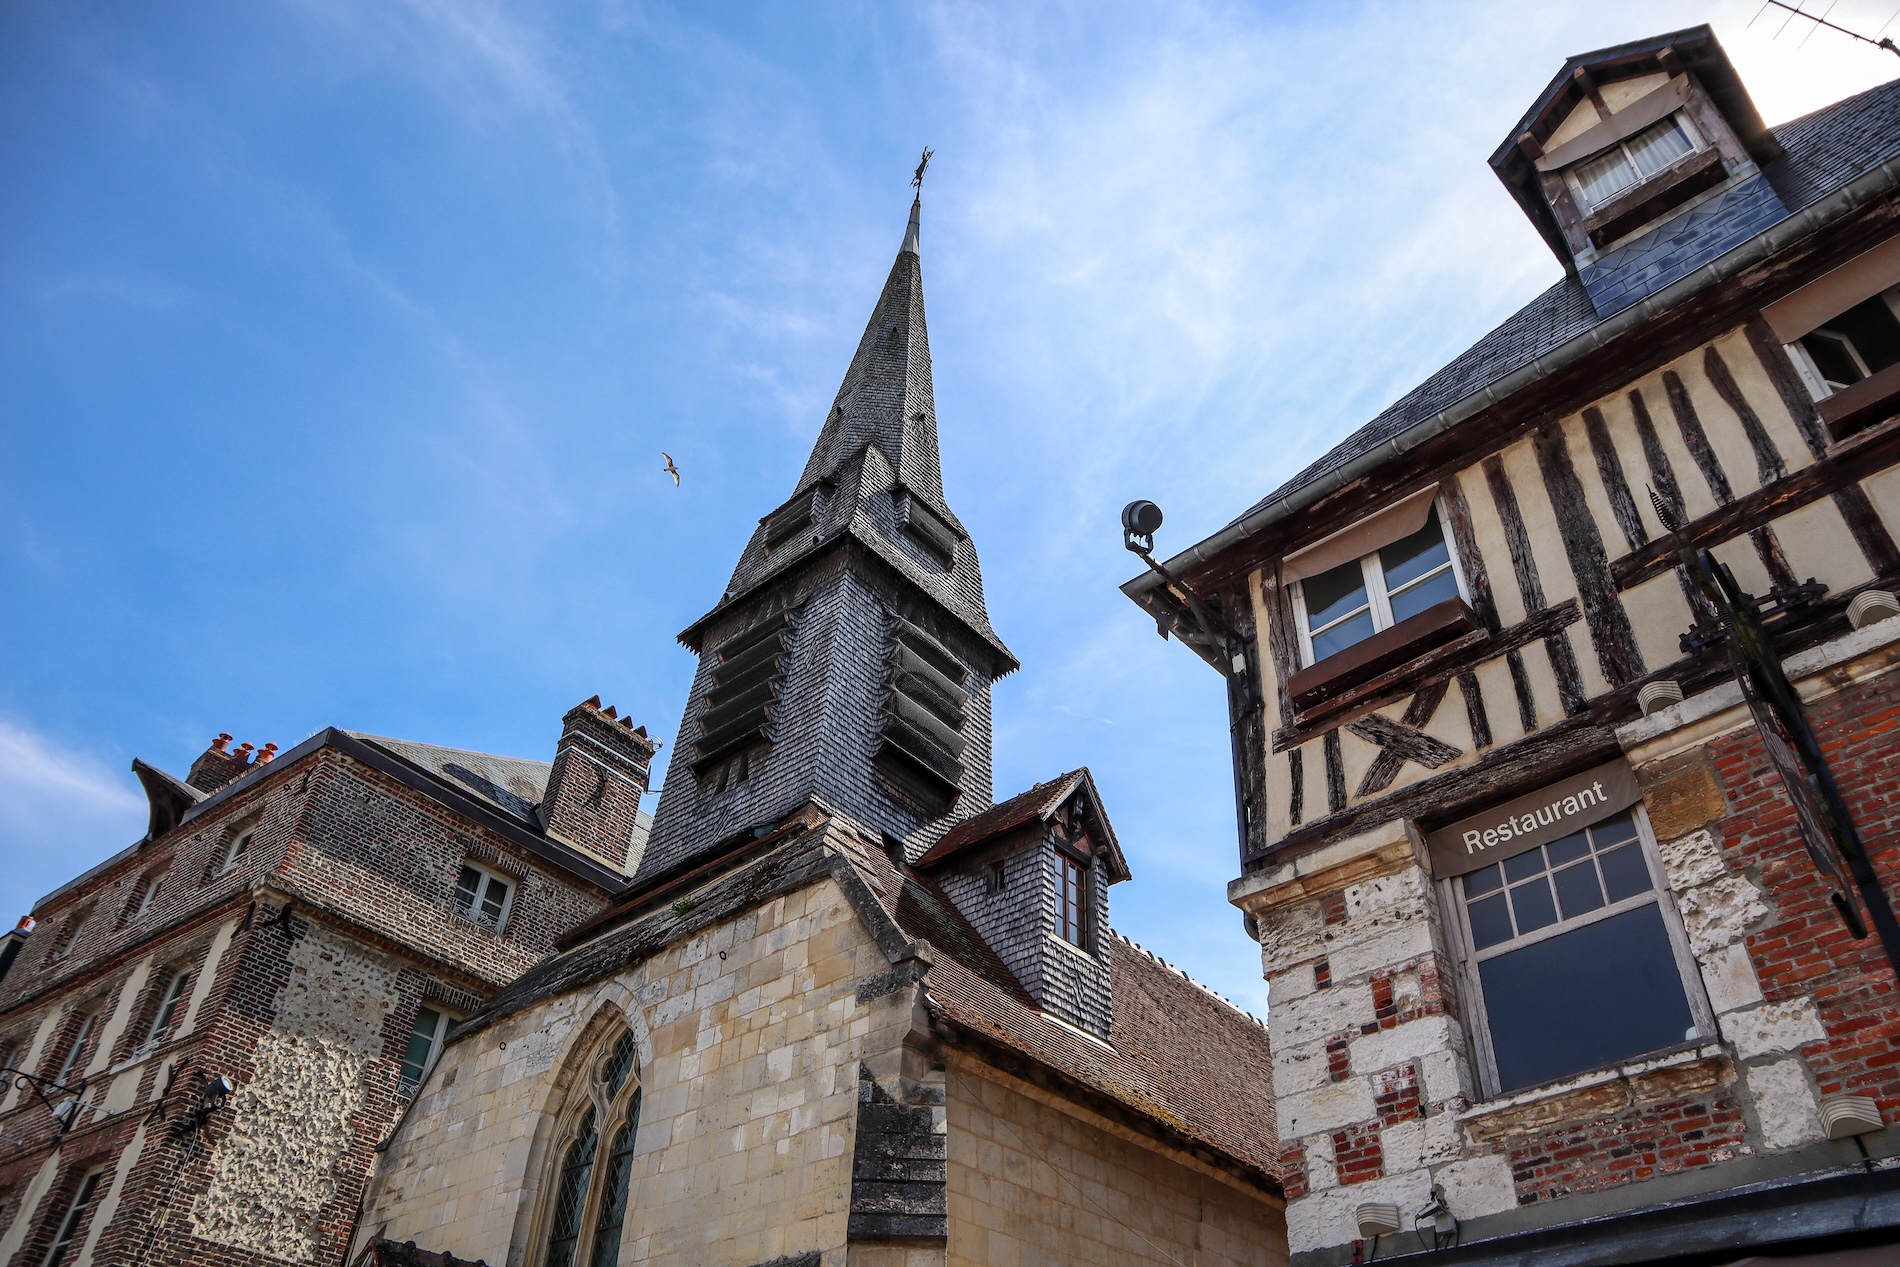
(61,810)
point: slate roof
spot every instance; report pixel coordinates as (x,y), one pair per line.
(878,443)
(514,785)
(1824,150)
(1038,803)
(1179,1054)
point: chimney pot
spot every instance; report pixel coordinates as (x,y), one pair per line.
(609,712)
(627,722)
(269,751)
(243,751)
(592,701)
(639,730)
(217,745)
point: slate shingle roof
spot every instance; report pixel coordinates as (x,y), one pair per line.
(1825,150)
(514,785)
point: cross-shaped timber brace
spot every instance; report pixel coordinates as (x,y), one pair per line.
(1401,741)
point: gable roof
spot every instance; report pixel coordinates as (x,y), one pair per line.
(1038,804)
(1834,159)
(1179,1055)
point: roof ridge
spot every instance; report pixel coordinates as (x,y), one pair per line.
(1208,990)
(442,747)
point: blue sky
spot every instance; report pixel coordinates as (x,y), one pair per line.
(341,341)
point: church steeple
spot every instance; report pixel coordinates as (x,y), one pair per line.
(851,655)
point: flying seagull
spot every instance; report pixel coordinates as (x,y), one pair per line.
(670,469)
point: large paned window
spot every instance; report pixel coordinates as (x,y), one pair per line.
(1349,603)
(1602,177)
(71,1059)
(1573,957)
(66,1235)
(589,1192)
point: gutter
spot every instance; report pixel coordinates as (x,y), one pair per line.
(1862,190)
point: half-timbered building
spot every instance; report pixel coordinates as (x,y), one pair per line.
(1557,961)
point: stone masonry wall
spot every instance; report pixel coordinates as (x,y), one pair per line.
(750,1036)
(1032,1184)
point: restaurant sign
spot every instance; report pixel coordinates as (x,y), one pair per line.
(1545,815)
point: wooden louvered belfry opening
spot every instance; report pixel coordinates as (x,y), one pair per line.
(922,750)
(746,675)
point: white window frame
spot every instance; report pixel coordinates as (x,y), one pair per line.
(78,1046)
(1697,145)
(1810,373)
(153,883)
(444,1021)
(473,913)
(237,847)
(1478,1022)
(1378,601)
(170,1004)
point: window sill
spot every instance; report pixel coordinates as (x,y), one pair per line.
(1382,652)
(1597,1093)
(1634,208)
(1853,409)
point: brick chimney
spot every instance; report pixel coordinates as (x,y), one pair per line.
(218,765)
(600,773)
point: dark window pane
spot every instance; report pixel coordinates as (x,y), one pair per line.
(1625,873)
(1490,922)
(1612,830)
(1333,593)
(1415,600)
(1605,992)
(1533,907)
(1524,865)
(1870,326)
(1578,890)
(613,1210)
(1569,849)
(1482,881)
(492,901)
(1339,637)
(621,1064)
(421,1043)
(1412,557)
(1832,358)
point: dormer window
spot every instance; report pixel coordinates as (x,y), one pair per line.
(1598,179)
(1349,603)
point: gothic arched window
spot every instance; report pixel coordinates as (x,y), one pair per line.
(589,1191)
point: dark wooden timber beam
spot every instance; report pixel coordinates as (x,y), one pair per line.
(1875,451)
(1601,373)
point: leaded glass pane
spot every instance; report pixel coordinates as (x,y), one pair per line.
(613,1210)
(620,1065)
(571,1201)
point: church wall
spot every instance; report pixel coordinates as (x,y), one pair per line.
(1035,1185)
(750,1036)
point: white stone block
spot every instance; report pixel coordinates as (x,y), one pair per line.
(1784,1104)
(1718,913)
(1478,1186)
(1772,1027)
(1729,978)
(1693,859)
(1336,1105)
(1385,1048)
(1319,1016)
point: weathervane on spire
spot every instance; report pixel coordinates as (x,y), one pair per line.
(917,177)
